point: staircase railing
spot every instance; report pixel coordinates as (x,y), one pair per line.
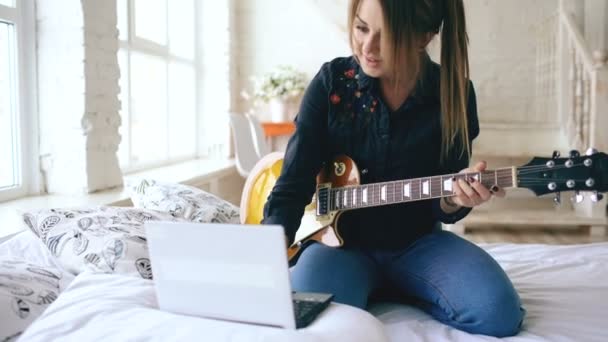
(582,87)
(572,81)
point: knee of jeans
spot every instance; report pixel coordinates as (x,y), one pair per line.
(498,320)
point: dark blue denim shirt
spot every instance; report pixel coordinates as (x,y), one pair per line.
(343,112)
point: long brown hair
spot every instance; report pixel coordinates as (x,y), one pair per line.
(406,21)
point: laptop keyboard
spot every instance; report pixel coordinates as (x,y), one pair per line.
(306,310)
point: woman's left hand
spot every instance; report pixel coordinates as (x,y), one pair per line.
(472,193)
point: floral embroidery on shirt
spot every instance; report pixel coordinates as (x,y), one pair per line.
(350,103)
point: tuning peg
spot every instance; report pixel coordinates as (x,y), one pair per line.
(596,197)
(577,198)
(556,154)
(558,198)
(591,151)
(574,154)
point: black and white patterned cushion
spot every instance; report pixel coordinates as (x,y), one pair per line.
(100,239)
(26,290)
(183,201)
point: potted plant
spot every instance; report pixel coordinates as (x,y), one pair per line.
(279,89)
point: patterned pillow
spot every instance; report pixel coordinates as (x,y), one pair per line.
(183,201)
(25,292)
(101,239)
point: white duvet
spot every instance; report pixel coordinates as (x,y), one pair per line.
(563,288)
(118,308)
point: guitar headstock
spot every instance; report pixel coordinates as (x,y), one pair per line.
(577,172)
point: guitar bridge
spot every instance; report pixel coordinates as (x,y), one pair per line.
(323,199)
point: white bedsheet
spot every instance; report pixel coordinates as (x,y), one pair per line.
(119,308)
(563,288)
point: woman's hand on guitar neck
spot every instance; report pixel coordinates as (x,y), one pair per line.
(471,193)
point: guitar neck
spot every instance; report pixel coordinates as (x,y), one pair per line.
(409,190)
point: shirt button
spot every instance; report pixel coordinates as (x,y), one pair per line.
(364,171)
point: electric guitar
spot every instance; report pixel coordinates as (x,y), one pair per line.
(339,189)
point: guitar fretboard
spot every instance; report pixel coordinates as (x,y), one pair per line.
(408,190)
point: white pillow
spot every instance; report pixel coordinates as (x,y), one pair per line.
(25,291)
(183,201)
(100,239)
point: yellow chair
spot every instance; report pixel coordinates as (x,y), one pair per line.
(258,185)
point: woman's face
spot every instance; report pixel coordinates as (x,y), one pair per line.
(367,33)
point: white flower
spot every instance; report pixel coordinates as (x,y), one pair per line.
(283,82)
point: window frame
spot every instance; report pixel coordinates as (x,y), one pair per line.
(134,44)
(22,17)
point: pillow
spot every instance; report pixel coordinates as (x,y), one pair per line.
(25,291)
(100,239)
(183,201)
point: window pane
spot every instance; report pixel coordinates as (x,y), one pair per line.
(123,148)
(10,3)
(148,109)
(8,142)
(181,28)
(151,20)
(122,19)
(182,110)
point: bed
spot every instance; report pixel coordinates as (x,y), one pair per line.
(563,288)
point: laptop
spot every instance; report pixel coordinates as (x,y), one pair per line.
(228,272)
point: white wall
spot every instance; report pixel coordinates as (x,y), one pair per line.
(268,33)
(502,53)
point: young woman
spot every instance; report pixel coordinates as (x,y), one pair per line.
(398,115)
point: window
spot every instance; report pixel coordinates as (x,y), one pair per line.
(13,116)
(158,64)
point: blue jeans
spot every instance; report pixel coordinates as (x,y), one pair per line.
(450,278)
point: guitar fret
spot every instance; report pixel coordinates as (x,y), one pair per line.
(435,187)
(383,193)
(446,184)
(426,189)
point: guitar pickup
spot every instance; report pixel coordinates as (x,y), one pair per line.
(323,199)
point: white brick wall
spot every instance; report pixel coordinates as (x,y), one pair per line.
(78,94)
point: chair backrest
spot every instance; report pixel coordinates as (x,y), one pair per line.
(261,145)
(244,144)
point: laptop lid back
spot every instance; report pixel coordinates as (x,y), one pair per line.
(223,271)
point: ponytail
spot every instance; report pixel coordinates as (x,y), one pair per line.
(454,79)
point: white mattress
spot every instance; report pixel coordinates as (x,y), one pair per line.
(563,288)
